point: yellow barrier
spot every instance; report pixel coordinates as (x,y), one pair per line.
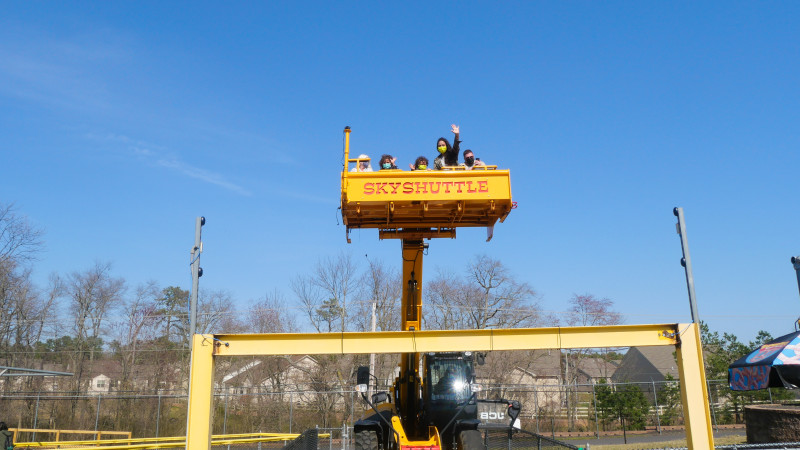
(164,442)
(98,434)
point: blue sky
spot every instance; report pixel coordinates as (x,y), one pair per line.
(120,122)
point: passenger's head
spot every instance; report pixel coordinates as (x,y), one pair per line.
(364,165)
(386,162)
(3,426)
(442,145)
(469,157)
(421,163)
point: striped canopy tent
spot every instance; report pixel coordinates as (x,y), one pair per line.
(774,364)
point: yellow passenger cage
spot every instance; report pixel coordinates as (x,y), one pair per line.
(423,204)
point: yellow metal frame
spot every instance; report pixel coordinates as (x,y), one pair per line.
(684,337)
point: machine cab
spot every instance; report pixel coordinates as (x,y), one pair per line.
(449,377)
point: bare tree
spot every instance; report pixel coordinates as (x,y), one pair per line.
(216,313)
(135,330)
(447,306)
(19,240)
(488,297)
(380,285)
(137,326)
(19,243)
(588,310)
(585,310)
(323,294)
(270,315)
(505,302)
(28,311)
(92,295)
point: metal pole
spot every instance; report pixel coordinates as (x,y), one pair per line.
(536,408)
(196,274)
(655,400)
(566,384)
(291,410)
(225,418)
(711,404)
(36,416)
(372,355)
(796,263)
(97,416)
(686,262)
(158,414)
(596,423)
(225,431)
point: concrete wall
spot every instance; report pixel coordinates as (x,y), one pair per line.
(772,423)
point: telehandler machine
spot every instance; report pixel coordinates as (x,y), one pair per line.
(432,404)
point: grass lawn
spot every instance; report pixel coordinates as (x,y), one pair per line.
(680,443)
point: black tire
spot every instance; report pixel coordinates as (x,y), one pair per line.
(366,440)
(470,440)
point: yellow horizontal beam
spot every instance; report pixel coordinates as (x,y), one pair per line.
(181,443)
(445,340)
(181,439)
(92,432)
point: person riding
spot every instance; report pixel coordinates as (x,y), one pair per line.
(448,156)
(470,162)
(446,384)
(387,162)
(420,164)
(362,166)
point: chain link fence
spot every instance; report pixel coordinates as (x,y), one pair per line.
(547,410)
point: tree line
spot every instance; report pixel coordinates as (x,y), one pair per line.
(87,317)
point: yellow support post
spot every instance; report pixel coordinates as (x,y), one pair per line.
(201,393)
(694,392)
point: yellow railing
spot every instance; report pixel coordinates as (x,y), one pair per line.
(163,442)
(98,434)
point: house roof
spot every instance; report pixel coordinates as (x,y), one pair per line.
(108,367)
(647,364)
(597,367)
(255,371)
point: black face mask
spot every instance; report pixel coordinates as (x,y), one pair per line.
(469,160)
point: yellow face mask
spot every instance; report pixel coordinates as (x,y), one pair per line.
(442,148)
(422,167)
